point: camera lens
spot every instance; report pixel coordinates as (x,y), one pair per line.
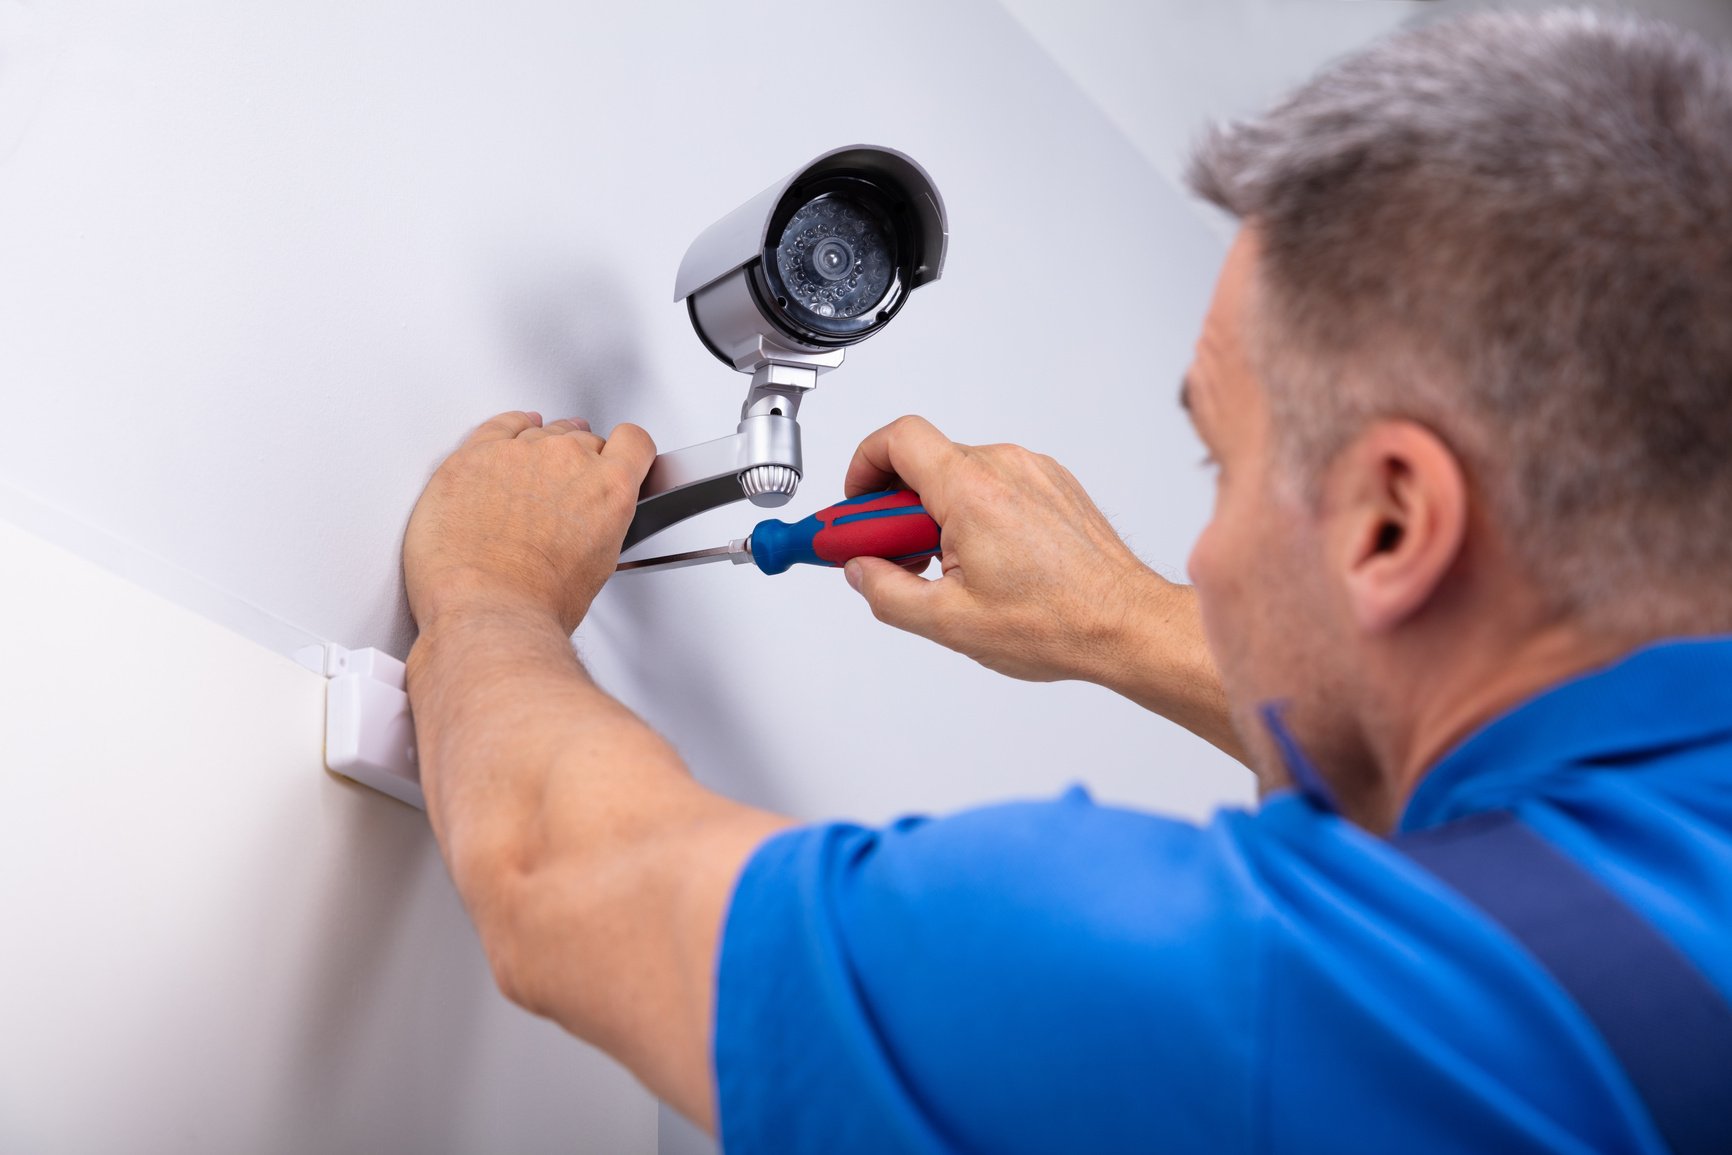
(834,258)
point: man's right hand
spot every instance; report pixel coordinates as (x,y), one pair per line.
(1036,584)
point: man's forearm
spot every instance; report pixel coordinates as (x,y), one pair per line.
(508,721)
(596,869)
(1159,658)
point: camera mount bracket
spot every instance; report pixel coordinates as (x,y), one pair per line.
(759,462)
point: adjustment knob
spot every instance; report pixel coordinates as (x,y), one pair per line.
(768,486)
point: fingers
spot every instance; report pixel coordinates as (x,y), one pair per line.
(504,427)
(629,447)
(909,449)
(565,427)
(897,597)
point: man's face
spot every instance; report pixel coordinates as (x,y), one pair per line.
(1258,564)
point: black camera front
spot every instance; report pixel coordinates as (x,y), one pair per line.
(834,260)
(837,266)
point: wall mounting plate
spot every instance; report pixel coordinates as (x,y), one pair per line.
(369,735)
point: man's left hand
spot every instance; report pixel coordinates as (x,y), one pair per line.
(525,516)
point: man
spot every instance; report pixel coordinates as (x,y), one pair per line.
(1467,381)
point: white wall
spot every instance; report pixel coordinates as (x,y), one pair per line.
(262,266)
(213,945)
(262,269)
(1161,69)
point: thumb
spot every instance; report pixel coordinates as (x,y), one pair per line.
(897,597)
(631,446)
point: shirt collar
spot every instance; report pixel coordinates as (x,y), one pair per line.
(1669,695)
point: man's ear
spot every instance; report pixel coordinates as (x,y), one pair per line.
(1400,512)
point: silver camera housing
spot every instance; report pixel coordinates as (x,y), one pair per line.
(745,296)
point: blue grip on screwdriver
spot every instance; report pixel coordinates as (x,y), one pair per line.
(889,524)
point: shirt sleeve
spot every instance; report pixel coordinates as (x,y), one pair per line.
(1030,977)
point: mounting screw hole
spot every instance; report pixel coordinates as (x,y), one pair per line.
(775,413)
(782,301)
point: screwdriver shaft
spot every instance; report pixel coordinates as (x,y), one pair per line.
(737,552)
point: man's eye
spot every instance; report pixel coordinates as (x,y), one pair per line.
(1209,462)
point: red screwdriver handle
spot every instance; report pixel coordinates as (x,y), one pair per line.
(889,524)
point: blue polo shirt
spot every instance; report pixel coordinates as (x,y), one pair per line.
(1059,976)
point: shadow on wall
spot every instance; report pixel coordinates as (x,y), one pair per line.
(648,631)
(574,347)
(572,329)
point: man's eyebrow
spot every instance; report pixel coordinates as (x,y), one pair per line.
(1185,392)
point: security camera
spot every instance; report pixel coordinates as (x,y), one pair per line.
(779,288)
(816,262)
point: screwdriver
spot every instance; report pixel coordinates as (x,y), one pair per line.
(889,524)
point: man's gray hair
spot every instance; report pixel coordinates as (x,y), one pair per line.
(1517,230)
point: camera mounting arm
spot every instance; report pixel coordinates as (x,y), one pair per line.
(759,461)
